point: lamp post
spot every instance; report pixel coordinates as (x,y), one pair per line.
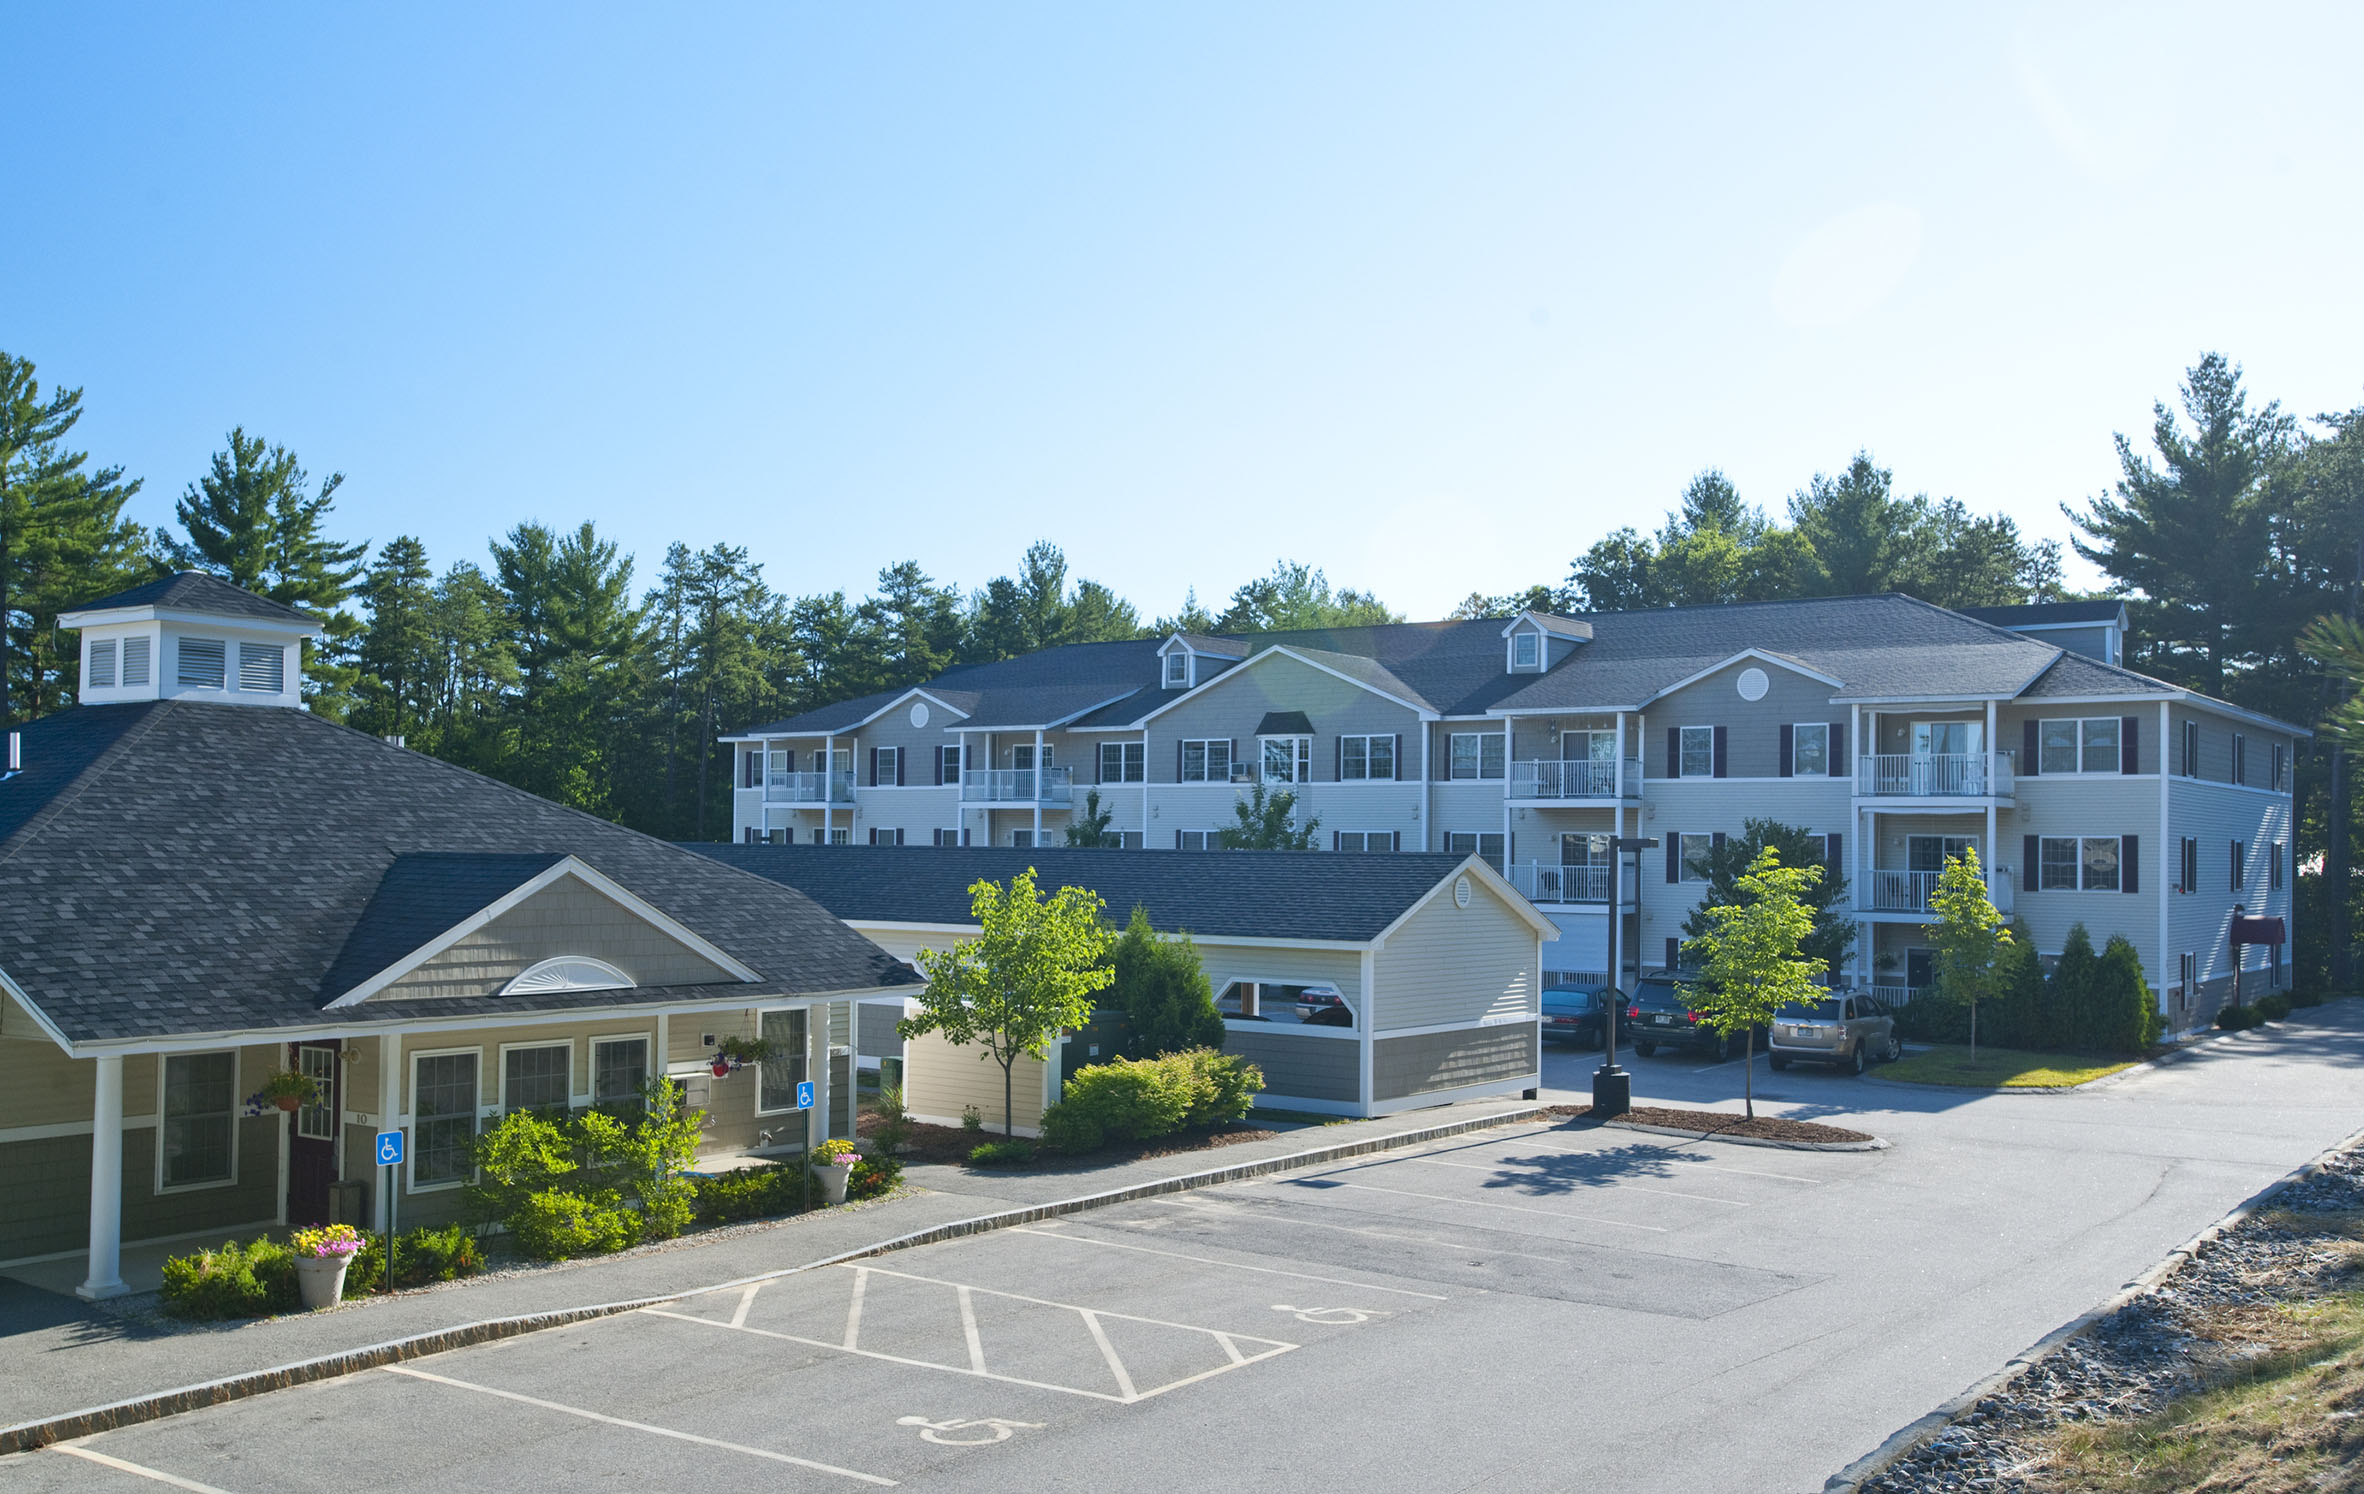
(1612,1087)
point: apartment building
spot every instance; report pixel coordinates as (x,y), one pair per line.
(1898,732)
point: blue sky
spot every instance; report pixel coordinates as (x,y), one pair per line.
(1429,296)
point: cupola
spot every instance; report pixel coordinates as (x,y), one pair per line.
(191,636)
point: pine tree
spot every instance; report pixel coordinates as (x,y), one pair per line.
(399,653)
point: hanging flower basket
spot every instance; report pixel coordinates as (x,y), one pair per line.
(735,1053)
(284,1089)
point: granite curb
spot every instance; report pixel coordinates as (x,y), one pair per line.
(27,1436)
(1905,1439)
(1872,1144)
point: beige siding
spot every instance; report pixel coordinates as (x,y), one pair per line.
(1454,964)
(566,918)
(41,1086)
(940,1080)
(1433,1061)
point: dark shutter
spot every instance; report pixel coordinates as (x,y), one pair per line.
(2031,863)
(1395,840)
(901,755)
(1177,840)
(1831,853)
(789,764)
(1674,951)
(1177,779)
(1789,743)
(874,767)
(1719,752)
(2130,863)
(2129,744)
(1395,755)
(1674,858)
(2028,760)
(1674,755)
(1838,750)
(1717,840)
(1231,752)
(1338,759)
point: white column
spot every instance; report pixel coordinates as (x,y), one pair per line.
(2165,722)
(818,1034)
(105,1278)
(390,1116)
(1617,881)
(1040,786)
(1507,847)
(1427,783)
(828,788)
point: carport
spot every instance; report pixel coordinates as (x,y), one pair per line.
(1361,984)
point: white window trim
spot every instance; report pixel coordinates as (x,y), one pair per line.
(1188,661)
(1207,777)
(1367,738)
(1300,757)
(1683,877)
(760,1013)
(655,1066)
(1534,638)
(1796,727)
(502,1089)
(2079,842)
(2115,770)
(1354,1003)
(1481,738)
(410,1146)
(237,1115)
(1120,749)
(1683,752)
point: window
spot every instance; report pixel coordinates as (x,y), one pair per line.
(1810,749)
(1930,853)
(1023,839)
(1487,843)
(2057,866)
(948,764)
(1022,758)
(1275,1001)
(1363,758)
(1198,840)
(2240,758)
(2191,749)
(200,1119)
(262,667)
(886,766)
(1207,761)
(1475,754)
(1698,753)
(1286,759)
(777,1081)
(135,661)
(1178,667)
(1366,840)
(2240,854)
(1129,840)
(2278,762)
(1524,650)
(2066,863)
(443,1118)
(201,664)
(537,1078)
(1949,738)
(843,835)
(2188,877)
(2274,866)
(949,837)
(1920,969)
(2101,863)
(619,1067)
(316,1119)
(1694,849)
(101,674)
(1124,762)
(879,837)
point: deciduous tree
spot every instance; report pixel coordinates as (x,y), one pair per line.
(1751,955)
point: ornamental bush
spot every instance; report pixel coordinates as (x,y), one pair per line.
(873,1177)
(2237,1018)
(233,1280)
(422,1255)
(752,1193)
(555,1225)
(1141,1098)
(1009,1151)
(2122,1016)
(2273,1008)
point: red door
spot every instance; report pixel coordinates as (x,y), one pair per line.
(312,1149)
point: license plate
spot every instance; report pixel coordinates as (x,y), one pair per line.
(1663,1021)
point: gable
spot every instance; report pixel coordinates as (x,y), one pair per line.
(569,918)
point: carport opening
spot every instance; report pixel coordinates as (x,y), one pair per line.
(1285,1002)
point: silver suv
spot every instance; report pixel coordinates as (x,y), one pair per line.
(1849,1029)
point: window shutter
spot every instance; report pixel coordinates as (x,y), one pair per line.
(1177,779)
(1789,746)
(1674,755)
(2031,862)
(1831,856)
(1838,750)
(1674,951)
(901,754)
(2130,863)
(1395,755)
(1338,760)
(788,763)
(1177,840)
(1395,840)
(2028,765)
(1674,858)
(135,661)
(1717,840)
(1231,752)
(1719,752)
(1334,840)
(2129,744)
(2233,879)
(874,767)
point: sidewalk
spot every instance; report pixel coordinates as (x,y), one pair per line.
(59,1356)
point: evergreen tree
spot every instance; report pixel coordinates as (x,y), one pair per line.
(918,624)
(1193,618)
(1163,991)
(400,656)
(1267,821)
(1297,597)
(568,604)
(1727,864)
(1854,527)
(2074,976)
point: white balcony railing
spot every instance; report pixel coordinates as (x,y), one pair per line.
(1909,891)
(1553,778)
(1895,995)
(1935,775)
(783,787)
(1543,882)
(1018,786)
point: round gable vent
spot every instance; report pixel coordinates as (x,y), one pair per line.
(1461,892)
(566,973)
(919,714)
(1753,683)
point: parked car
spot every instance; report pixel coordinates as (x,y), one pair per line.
(1577,1014)
(1661,1016)
(1848,1029)
(1317,1003)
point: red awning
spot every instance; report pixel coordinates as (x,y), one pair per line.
(2257,930)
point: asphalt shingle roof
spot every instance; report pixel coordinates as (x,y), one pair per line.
(420,897)
(171,867)
(1240,894)
(2029,614)
(197,591)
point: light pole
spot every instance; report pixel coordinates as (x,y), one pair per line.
(1612,1087)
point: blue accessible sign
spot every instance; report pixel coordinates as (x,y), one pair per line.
(804,1095)
(389,1148)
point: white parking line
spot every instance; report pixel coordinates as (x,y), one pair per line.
(1116,1366)
(747,1300)
(639,1426)
(968,1327)
(1208,1260)
(1496,1169)
(120,1466)
(1479,1203)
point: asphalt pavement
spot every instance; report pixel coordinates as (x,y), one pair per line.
(1526,1307)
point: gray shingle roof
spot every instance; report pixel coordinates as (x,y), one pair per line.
(420,897)
(1241,894)
(172,867)
(2034,614)
(197,591)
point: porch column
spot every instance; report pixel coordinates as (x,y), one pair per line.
(828,788)
(106,1184)
(1041,786)
(389,1119)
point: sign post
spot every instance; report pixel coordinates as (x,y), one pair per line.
(389,1155)
(804,1102)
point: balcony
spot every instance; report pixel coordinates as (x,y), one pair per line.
(1543,882)
(1558,781)
(1018,786)
(1886,891)
(783,787)
(1934,775)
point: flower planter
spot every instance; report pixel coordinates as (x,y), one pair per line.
(833,1180)
(288,1103)
(321,1279)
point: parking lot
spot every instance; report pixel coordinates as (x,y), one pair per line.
(1528,1307)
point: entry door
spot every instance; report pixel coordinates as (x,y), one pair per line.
(312,1149)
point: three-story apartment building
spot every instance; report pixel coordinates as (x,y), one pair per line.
(1898,732)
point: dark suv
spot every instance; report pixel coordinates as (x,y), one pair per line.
(1661,1016)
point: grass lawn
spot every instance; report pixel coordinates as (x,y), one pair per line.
(2000,1068)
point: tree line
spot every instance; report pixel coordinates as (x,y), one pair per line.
(548,663)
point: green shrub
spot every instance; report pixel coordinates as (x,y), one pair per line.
(1072,1129)
(893,1125)
(2306,995)
(555,1225)
(2123,1015)
(873,1177)
(422,1255)
(641,1152)
(1136,1099)
(1162,990)
(233,1280)
(990,1154)
(529,1152)
(1231,1086)
(752,1193)
(2076,976)
(2237,1018)
(2273,1008)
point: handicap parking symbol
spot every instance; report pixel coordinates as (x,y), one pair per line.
(804,1095)
(994,1428)
(1331,1317)
(389,1148)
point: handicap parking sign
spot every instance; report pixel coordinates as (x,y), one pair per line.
(804,1095)
(389,1148)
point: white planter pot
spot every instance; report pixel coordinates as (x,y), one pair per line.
(833,1182)
(321,1279)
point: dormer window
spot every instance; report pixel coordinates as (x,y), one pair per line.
(1178,668)
(1525,648)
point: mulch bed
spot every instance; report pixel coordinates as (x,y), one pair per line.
(1717,1123)
(951,1144)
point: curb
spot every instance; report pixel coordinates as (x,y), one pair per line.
(30,1435)
(1875,1144)
(1909,1437)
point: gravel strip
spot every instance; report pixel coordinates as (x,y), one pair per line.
(1720,1123)
(2209,1313)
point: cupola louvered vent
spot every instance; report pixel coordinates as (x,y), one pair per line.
(102,664)
(135,662)
(262,666)
(201,664)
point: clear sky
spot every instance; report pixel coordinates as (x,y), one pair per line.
(1429,296)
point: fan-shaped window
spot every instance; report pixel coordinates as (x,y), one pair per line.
(567,973)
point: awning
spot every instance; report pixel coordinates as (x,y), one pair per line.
(2257,930)
(1284,724)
